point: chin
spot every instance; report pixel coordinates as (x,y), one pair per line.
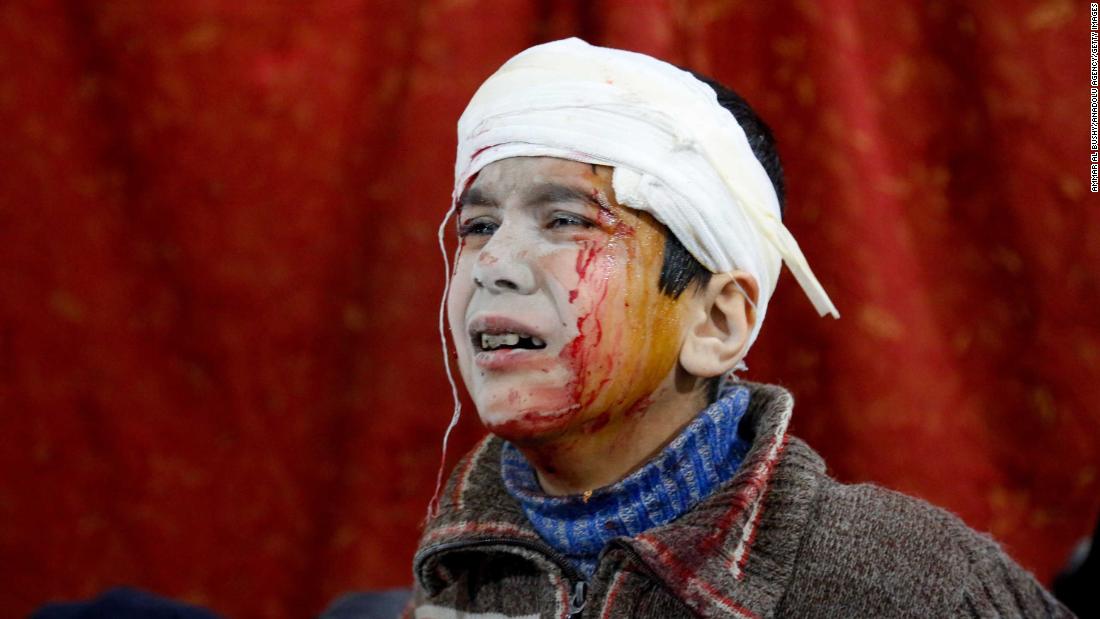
(529,416)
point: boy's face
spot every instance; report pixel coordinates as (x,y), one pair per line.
(555,309)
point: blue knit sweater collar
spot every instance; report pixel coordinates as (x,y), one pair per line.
(704,456)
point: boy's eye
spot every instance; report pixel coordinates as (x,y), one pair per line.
(564,220)
(476,227)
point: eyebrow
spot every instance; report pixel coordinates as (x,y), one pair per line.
(475,196)
(542,193)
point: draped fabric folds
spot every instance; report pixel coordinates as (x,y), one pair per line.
(220,376)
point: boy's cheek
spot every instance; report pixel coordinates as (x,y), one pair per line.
(639,347)
(567,267)
(457,301)
(645,331)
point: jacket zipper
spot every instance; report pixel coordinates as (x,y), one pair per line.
(580,597)
(574,579)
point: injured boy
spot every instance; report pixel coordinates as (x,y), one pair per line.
(620,236)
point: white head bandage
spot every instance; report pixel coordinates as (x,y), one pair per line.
(677,154)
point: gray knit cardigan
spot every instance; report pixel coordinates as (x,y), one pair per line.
(781,539)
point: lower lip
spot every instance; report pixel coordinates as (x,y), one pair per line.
(513,359)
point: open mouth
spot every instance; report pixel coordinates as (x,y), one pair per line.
(487,342)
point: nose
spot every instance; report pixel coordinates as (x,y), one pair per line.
(503,265)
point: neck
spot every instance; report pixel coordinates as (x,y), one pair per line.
(602,453)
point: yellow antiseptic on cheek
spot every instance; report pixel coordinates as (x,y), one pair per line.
(640,342)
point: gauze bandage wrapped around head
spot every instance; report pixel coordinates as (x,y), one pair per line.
(677,154)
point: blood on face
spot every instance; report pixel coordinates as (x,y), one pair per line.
(581,273)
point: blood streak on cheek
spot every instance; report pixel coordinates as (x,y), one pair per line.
(585,257)
(582,350)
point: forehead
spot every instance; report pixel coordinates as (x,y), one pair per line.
(541,178)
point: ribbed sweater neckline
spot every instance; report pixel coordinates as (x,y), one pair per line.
(706,453)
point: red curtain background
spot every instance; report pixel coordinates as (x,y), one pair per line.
(220,374)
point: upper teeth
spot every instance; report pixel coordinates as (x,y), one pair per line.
(490,341)
(498,340)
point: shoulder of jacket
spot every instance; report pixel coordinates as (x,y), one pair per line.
(937,535)
(881,543)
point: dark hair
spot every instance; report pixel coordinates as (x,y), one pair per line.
(680,269)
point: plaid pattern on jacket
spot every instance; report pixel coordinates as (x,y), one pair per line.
(780,539)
